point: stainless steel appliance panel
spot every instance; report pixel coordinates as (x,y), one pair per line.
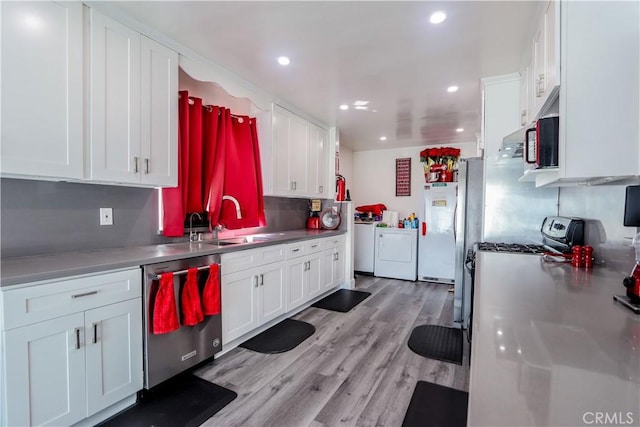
(166,355)
(468,231)
(513,210)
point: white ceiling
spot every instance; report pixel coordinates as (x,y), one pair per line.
(384,52)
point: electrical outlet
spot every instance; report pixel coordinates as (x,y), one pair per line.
(106,216)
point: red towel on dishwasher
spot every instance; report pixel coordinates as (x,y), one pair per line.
(211,293)
(190,300)
(165,313)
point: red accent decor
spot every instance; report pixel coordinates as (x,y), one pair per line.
(376,209)
(190,300)
(165,314)
(194,170)
(424,228)
(211,293)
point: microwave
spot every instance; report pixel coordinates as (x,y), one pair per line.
(541,143)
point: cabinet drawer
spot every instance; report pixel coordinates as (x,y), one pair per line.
(305,247)
(242,260)
(333,242)
(45,301)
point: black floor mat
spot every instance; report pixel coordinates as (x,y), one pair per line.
(281,337)
(437,342)
(342,300)
(433,405)
(184,401)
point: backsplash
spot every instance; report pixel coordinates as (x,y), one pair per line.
(602,208)
(42,217)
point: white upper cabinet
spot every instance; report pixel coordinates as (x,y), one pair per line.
(41,89)
(541,73)
(318,161)
(599,100)
(114,119)
(133,114)
(159,111)
(300,156)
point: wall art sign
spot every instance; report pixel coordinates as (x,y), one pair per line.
(403,177)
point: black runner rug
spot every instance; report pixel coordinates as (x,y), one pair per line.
(281,337)
(183,401)
(342,300)
(433,405)
(437,342)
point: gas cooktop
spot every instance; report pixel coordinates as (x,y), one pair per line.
(519,248)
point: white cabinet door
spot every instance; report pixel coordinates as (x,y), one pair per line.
(339,266)
(45,372)
(239,304)
(298,151)
(41,89)
(114,124)
(296,277)
(551,48)
(159,114)
(113,337)
(538,67)
(314,276)
(282,181)
(272,292)
(328,265)
(318,161)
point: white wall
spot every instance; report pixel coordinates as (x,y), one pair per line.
(374,177)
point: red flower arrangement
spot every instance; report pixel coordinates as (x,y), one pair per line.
(443,160)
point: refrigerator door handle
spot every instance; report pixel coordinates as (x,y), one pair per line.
(424,228)
(455,221)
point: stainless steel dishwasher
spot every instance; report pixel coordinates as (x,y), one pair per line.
(166,355)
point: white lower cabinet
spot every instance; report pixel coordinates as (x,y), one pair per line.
(61,370)
(254,296)
(303,280)
(333,265)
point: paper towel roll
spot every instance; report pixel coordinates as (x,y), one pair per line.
(390,218)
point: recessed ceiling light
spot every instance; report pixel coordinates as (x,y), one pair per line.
(452,89)
(344,107)
(437,17)
(383,138)
(361,107)
(361,103)
(460,130)
(283,60)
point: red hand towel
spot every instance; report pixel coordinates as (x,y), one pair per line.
(190,300)
(211,293)
(165,314)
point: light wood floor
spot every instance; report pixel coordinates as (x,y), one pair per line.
(356,370)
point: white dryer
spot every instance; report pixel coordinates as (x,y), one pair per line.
(396,253)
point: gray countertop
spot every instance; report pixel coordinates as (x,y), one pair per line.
(550,347)
(15,271)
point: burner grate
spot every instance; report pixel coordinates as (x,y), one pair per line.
(520,248)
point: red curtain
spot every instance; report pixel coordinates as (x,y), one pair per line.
(218,156)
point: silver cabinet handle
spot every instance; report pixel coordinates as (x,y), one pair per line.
(86,294)
(314,246)
(135,164)
(255,281)
(321,188)
(77,331)
(295,250)
(95,332)
(262,280)
(146,166)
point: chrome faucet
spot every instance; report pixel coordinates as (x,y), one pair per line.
(235,202)
(215,231)
(193,236)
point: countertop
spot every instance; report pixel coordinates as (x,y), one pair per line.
(15,271)
(550,347)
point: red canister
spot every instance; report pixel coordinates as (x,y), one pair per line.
(588,256)
(577,259)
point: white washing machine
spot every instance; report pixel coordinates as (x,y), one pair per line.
(396,253)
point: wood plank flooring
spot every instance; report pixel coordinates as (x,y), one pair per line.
(356,370)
